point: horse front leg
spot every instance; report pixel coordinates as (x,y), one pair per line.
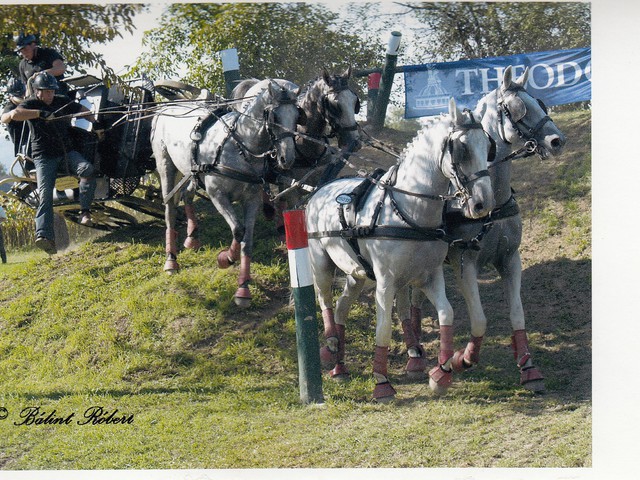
(441,376)
(467,281)
(383,391)
(530,376)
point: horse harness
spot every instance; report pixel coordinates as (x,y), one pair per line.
(359,195)
(197,134)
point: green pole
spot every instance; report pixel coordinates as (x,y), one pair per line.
(310,373)
(386,81)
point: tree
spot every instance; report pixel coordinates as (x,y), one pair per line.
(279,40)
(71,29)
(477,29)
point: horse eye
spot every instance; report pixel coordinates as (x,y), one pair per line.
(517,109)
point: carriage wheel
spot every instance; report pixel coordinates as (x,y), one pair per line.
(173,90)
(104,217)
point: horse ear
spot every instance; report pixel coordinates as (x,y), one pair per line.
(348,72)
(522,80)
(456,115)
(507,78)
(326,76)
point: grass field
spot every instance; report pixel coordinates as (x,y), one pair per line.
(185,380)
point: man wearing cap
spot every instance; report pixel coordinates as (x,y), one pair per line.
(49,118)
(39,59)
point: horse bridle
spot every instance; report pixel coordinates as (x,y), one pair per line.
(529,133)
(269,121)
(459,179)
(332,114)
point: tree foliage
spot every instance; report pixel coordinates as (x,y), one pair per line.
(485,29)
(279,40)
(72,29)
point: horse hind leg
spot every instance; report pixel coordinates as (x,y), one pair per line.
(168,171)
(530,376)
(411,334)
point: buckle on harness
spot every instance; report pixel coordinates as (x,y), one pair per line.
(355,232)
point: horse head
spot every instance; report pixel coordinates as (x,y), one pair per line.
(464,160)
(339,105)
(281,115)
(524,118)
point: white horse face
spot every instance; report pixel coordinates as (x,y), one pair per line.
(528,117)
(466,164)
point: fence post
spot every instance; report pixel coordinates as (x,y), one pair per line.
(386,81)
(310,374)
(230,69)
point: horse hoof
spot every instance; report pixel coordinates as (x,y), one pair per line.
(384,392)
(416,367)
(192,243)
(532,380)
(440,380)
(242,298)
(223,259)
(171,267)
(340,373)
(458,363)
(328,359)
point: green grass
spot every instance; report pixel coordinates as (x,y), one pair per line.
(211,386)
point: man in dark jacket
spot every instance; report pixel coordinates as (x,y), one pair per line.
(49,119)
(37,59)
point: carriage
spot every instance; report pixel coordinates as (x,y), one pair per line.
(123,158)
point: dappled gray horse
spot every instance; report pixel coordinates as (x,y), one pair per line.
(329,108)
(520,126)
(392,232)
(227,159)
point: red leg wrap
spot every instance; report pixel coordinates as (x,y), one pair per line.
(191,242)
(339,372)
(441,377)
(329,352)
(380,360)
(416,322)
(468,357)
(446,344)
(245,270)
(171,263)
(384,392)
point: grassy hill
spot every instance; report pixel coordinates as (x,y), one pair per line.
(196,383)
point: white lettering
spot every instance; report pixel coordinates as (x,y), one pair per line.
(550,75)
(484,74)
(466,75)
(577,73)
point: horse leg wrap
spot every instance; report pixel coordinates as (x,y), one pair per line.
(416,321)
(441,376)
(192,242)
(468,357)
(520,346)
(383,390)
(226,258)
(171,263)
(329,353)
(417,363)
(340,370)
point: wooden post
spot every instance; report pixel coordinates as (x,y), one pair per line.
(310,373)
(230,68)
(386,81)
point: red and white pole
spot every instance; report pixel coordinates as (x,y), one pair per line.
(310,373)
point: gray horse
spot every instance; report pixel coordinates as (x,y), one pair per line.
(228,159)
(521,126)
(366,236)
(329,107)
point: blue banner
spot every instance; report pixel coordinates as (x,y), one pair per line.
(555,77)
